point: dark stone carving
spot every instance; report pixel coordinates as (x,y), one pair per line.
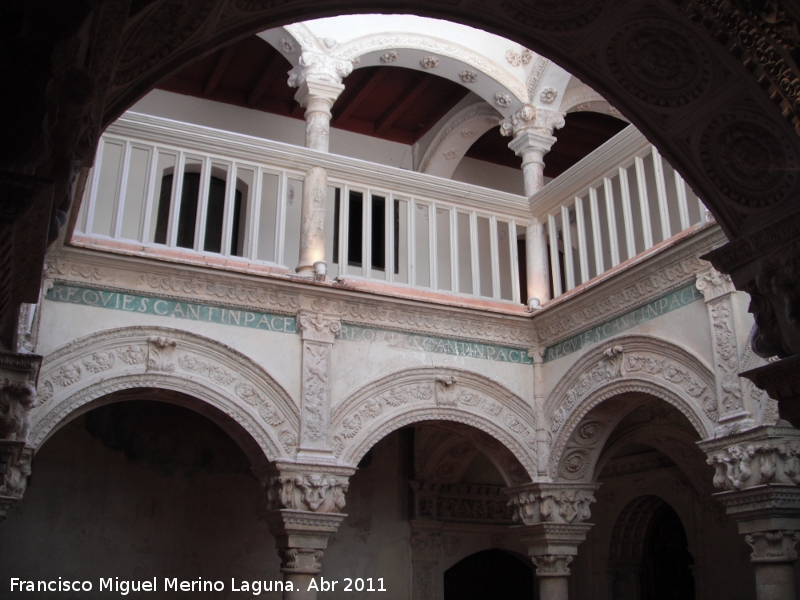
(553,15)
(660,62)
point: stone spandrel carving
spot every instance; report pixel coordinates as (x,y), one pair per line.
(551,503)
(313,492)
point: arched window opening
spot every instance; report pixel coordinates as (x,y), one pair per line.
(488,575)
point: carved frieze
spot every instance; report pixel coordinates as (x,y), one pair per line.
(551,503)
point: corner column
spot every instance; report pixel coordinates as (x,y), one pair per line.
(18,375)
(305,503)
(552,516)
(532,129)
(318,78)
(760,472)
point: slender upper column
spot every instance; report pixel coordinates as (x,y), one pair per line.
(319,79)
(760,471)
(532,129)
(552,515)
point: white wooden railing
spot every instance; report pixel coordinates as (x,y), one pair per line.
(162,184)
(616,203)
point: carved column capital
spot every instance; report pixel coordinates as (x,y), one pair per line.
(562,503)
(532,119)
(306,487)
(713,284)
(318,68)
(15,468)
(757,457)
(318,327)
(552,565)
(773,546)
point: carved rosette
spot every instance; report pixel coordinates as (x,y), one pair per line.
(318,332)
(551,502)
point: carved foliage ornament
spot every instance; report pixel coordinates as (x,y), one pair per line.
(17,398)
(319,67)
(552,506)
(315,492)
(746,465)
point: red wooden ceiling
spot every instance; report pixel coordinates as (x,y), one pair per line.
(390,103)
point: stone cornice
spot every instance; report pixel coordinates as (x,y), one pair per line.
(642,282)
(283,295)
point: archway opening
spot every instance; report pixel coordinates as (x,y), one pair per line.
(140,487)
(488,575)
(649,555)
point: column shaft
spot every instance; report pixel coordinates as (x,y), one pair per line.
(312,222)
(537,268)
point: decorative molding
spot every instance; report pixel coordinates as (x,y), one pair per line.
(536,75)
(438,393)
(378,43)
(172,359)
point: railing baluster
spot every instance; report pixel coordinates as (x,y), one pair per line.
(366,234)
(596,232)
(627,212)
(569,265)
(495,262)
(280,218)
(661,190)
(512,240)
(98,161)
(388,236)
(254,215)
(611,216)
(202,204)
(227,215)
(555,267)
(175,204)
(147,209)
(473,248)
(583,250)
(703,210)
(122,190)
(644,203)
(411,250)
(453,250)
(683,205)
(433,226)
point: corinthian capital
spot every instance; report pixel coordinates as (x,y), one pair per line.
(531,118)
(315,66)
(318,327)
(311,488)
(551,502)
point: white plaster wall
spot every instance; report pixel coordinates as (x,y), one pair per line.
(277,353)
(496,177)
(268,126)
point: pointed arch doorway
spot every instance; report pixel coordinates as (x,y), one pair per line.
(488,575)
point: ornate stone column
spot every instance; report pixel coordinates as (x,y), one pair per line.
(18,375)
(318,332)
(318,78)
(552,515)
(426,540)
(532,129)
(305,504)
(718,289)
(760,472)
(542,441)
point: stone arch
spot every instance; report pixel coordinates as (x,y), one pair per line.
(88,369)
(632,365)
(761,112)
(583,98)
(455,138)
(433,394)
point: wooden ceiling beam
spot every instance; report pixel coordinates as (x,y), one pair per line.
(444,108)
(262,85)
(402,103)
(219,70)
(362,94)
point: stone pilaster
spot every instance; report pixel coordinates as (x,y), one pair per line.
(542,440)
(552,516)
(532,130)
(718,289)
(18,375)
(759,471)
(426,540)
(305,503)
(318,332)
